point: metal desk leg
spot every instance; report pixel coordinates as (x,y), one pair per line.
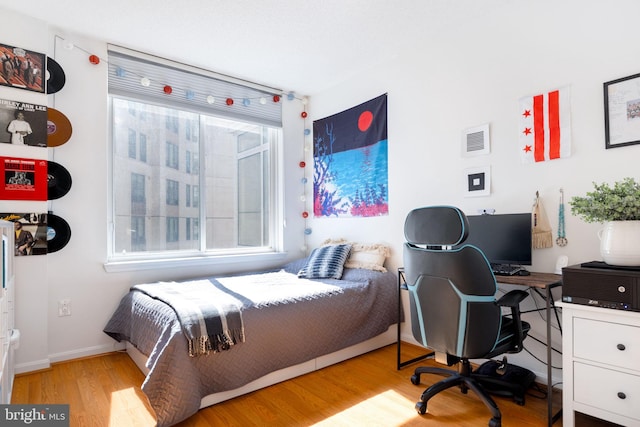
(549,360)
(551,417)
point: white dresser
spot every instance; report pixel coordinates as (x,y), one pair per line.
(7,234)
(601,364)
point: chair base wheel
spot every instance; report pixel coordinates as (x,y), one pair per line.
(495,422)
(415,379)
(421,407)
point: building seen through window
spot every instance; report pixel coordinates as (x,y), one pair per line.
(157,178)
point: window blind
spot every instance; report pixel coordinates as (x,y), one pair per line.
(191,88)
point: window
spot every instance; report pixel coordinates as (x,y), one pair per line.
(137,233)
(137,188)
(173,191)
(196,196)
(172,155)
(132,144)
(230,205)
(172,229)
(143,147)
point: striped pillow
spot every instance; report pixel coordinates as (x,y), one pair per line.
(326,262)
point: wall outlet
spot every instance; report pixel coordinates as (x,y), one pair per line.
(64,307)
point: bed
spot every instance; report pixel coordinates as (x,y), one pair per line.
(291,325)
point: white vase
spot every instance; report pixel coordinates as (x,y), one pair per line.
(620,243)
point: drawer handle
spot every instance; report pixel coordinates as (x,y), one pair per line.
(621,347)
(621,395)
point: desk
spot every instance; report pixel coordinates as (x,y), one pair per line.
(536,281)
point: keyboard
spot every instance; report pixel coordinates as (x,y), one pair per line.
(505,269)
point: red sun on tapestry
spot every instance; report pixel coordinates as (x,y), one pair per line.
(365,120)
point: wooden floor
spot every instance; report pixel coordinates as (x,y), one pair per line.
(367,390)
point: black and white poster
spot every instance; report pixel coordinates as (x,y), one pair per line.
(22,123)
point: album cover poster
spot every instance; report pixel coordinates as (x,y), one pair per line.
(31,232)
(21,68)
(24,179)
(22,123)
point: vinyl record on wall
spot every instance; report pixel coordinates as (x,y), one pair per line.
(58,128)
(58,233)
(55,76)
(58,179)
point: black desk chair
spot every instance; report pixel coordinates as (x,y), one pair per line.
(453,306)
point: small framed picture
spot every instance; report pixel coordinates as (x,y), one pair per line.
(477,181)
(475,141)
(622,112)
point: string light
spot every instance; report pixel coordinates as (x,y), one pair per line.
(189,94)
(211,99)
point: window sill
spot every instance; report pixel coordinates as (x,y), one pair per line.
(117,266)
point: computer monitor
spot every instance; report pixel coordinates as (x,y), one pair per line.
(504,238)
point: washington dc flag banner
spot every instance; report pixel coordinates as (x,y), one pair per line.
(545,126)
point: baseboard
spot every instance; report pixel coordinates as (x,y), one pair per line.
(85,352)
(35,365)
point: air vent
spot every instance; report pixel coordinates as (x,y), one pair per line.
(475,141)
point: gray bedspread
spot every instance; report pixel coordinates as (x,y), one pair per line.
(286,323)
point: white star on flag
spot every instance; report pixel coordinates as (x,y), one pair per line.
(545,126)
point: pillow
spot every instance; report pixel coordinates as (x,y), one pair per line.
(370,257)
(326,262)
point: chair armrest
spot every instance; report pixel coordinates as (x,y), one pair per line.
(512,298)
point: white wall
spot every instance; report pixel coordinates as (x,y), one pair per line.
(77,271)
(31,276)
(438,88)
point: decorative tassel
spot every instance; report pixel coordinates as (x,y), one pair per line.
(541,232)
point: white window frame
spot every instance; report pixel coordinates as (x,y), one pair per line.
(192,258)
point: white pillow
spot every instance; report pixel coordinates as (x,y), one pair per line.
(367,256)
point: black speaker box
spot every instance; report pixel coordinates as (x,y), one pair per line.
(514,382)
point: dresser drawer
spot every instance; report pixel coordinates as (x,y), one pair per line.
(606,389)
(610,343)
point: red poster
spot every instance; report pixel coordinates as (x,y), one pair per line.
(24,179)
(22,69)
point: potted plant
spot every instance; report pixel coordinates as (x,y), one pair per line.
(618,207)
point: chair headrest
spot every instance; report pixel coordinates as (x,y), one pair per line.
(436,226)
